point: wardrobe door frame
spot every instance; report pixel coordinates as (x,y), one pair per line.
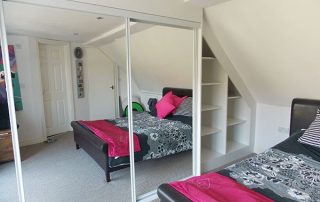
(196,118)
(129,16)
(11,106)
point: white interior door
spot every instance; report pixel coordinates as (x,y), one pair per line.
(101,84)
(53,73)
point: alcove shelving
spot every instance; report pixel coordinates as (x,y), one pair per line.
(238,133)
(225,116)
(213,107)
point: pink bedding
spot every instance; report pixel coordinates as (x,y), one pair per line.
(213,187)
(117,138)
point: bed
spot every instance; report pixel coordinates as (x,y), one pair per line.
(157,138)
(289,171)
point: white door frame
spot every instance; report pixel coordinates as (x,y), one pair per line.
(68,74)
(196,117)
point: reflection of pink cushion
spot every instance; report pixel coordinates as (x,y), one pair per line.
(178,100)
(165,106)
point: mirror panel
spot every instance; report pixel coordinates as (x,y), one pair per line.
(8,180)
(69,72)
(162,58)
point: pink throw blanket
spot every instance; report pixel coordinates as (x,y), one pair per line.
(117,138)
(213,187)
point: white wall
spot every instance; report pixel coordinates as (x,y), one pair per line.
(136,93)
(97,68)
(274,45)
(30,119)
(269,119)
(161,57)
(81,105)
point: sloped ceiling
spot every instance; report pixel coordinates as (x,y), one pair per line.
(273,44)
(57,24)
(205,3)
(161,56)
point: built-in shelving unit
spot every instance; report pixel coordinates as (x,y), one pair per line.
(211,83)
(207,107)
(208,58)
(234,121)
(234,97)
(207,130)
(225,116)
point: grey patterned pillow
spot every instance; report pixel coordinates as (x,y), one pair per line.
(185,108)
(312,135)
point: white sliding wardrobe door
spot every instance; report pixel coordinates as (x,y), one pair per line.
(162,57)
(72,168)
(9,138)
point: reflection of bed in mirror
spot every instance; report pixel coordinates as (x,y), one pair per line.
(157,137)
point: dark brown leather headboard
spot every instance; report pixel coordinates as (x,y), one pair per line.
(303,112)
(178,91)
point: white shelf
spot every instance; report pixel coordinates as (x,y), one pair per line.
(208,58)
(234,146)
(206,107)
(234,97)
(206,130)
(211,83)
(234,121)
(208,155)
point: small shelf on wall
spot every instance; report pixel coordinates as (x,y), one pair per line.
(233,146)
(234,121)
(206,107)
(207,130)
(233,97)
(208,58)
(211,83)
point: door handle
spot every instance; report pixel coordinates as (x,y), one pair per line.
(112,87)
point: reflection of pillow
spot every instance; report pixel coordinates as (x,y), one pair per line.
(165,106)
(312,135)
(185,107)
(177,100)
(152,106)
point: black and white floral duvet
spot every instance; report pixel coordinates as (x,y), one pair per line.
(157,137)
(288,172)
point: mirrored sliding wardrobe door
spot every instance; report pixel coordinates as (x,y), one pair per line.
(162,82)
(8,180)
(71,83)
(10,169)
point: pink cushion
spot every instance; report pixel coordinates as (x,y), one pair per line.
(165,106)
(178,100)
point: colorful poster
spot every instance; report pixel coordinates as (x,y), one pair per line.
(15,80)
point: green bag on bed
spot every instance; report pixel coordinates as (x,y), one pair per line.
(136,106)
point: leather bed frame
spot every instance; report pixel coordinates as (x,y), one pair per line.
(303,112)
(97,148)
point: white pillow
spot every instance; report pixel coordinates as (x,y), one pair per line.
(312,135)
(185,108)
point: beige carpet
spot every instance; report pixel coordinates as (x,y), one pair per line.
(59,172)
